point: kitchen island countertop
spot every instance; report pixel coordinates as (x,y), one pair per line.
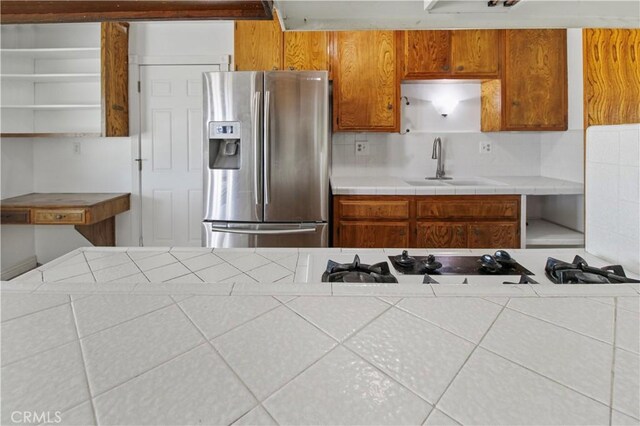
(119,350)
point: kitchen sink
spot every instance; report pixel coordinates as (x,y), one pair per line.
(454,182)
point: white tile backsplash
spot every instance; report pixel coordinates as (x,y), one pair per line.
(613,193)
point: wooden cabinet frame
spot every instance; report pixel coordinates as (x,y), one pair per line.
(468,212)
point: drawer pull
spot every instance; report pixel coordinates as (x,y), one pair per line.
(59,216)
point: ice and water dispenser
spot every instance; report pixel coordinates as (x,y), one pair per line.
(224,145)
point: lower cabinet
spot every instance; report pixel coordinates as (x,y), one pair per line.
(374,234)
(441,234)
(463,221)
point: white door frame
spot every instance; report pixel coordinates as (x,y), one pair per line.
(135,120)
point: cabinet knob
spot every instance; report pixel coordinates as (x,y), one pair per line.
(59,216)
(390,107)
(292,68)
(515,103)
(460,231)
(460,68)
(445,68)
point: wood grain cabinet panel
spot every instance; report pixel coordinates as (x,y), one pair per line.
(441,235)
(258,45)
(468,207)
(374,209)
(476,53)
(427,52)
(75,216)
(114,60)
(18,217)
(494,235)
(306,50)
(366,86)
(370,234)
(535,81)
(611,76)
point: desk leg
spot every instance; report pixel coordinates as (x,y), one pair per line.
(101,233)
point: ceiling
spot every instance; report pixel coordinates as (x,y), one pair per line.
(425,14)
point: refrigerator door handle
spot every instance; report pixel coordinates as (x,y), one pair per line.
(267,149)
(256,155)
(303,229)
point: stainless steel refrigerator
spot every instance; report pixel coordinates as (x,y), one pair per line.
(266,159)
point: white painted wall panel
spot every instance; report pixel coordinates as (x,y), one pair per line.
(613,194)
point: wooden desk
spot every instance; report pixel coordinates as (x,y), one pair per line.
(93,214)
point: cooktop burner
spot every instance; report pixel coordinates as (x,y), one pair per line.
(579,272)
(500,263)
(357,272)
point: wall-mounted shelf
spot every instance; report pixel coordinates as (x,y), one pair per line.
(53,78)
(51,135)
(51,107)
(541,232)
(55,52)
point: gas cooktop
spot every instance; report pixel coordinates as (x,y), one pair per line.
(579,272)
(500,263)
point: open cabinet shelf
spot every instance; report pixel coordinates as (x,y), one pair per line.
(54,52)
(541,232)
(52,78)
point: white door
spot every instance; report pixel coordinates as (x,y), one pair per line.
(171,152)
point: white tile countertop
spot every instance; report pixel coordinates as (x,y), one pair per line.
(90,345)
(389,185)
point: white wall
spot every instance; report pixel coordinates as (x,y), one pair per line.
(613,194)
(17,241)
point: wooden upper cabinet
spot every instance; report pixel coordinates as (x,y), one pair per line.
(258,45)
(611,76)
(476,52)
(452,54)
(306,50)
(427,53)
(535,80)
(366,87)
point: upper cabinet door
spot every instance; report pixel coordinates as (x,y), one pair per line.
(535,80)
(476,53)
(427,53)
(258,45)
(366,86)
(306,50)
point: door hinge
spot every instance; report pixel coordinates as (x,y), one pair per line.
(138,87)
(139,160)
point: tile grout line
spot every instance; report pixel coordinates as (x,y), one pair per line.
(613,359)
(88,266)
(435,405)
(210,344)
(84,363)
(139,269)
(342,345)
(35,312)
(558,325)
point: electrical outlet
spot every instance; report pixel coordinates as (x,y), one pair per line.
(76,148)
(485,147)
(362,149)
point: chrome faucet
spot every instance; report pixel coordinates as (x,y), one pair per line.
(437,155)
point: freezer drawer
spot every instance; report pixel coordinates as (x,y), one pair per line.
(227,235)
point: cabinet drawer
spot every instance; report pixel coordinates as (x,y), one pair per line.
(473,209)
(58,216)
(373,234)
(374,209)
(15,216)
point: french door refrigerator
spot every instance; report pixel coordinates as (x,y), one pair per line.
(266,159)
